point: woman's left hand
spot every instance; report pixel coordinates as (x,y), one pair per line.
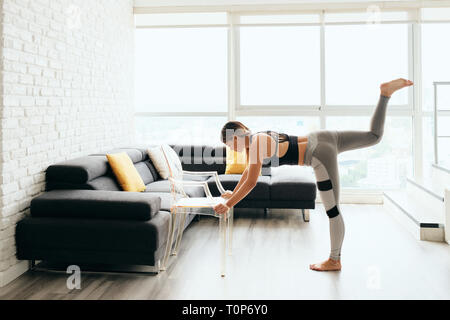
(220,208)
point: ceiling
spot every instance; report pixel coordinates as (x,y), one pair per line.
(169,3)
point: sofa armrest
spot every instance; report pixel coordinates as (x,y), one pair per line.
(96,204)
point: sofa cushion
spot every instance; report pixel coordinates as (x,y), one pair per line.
(152,169)
(135,155)
(166,161)
(201,157)
(292,183)
(125,172)
(79,170)
(196,177)
(229,182)
(164,186)
(236,162)
(144,171)
(186,152)
(107,182)
(158,186)
(207,158)
(166,199)
(91,236)
(90,204)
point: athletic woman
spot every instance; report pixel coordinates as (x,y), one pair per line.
(319,149)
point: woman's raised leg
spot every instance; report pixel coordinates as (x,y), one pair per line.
(351,139)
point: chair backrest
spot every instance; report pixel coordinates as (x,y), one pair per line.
(175,172)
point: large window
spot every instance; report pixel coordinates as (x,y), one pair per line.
(443,141)
(384,165)
(295,125)
(179,130)
(436,61)
(427,140)
(361,57)
(295,72)
(436,68)
(443,132)
(280,66)
(181,70)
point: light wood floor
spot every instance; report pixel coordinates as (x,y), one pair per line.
(381,260)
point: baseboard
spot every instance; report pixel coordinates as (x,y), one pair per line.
(100,269)
(13,272)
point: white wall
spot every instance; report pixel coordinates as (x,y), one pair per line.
(67,91)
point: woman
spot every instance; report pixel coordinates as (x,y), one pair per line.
(319,150)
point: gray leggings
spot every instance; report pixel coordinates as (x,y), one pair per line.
(321,154)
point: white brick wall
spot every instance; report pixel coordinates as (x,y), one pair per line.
(67,91)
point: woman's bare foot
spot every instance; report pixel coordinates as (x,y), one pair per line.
(329,265)
(388,88)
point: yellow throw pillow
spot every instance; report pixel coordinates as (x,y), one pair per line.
(236,162)
(125,172)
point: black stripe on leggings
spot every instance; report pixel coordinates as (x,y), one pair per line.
(324,185)
(333,212)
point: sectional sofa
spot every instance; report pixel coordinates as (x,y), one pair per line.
(84,217)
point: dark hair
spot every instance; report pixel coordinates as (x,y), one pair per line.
(233,126)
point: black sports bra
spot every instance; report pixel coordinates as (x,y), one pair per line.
(291,156)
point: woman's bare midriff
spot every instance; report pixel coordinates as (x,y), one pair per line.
(302,143)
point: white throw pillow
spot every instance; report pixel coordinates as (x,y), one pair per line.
(159,161)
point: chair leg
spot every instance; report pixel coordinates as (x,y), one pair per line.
(223,243)
(180,231)
(265,212)
(170,233)
(230,232)
(305,213)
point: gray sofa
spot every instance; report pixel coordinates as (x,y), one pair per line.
(84,217)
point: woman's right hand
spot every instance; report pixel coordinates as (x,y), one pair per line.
(227,194)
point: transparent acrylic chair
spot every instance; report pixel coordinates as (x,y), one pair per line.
(182,204)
